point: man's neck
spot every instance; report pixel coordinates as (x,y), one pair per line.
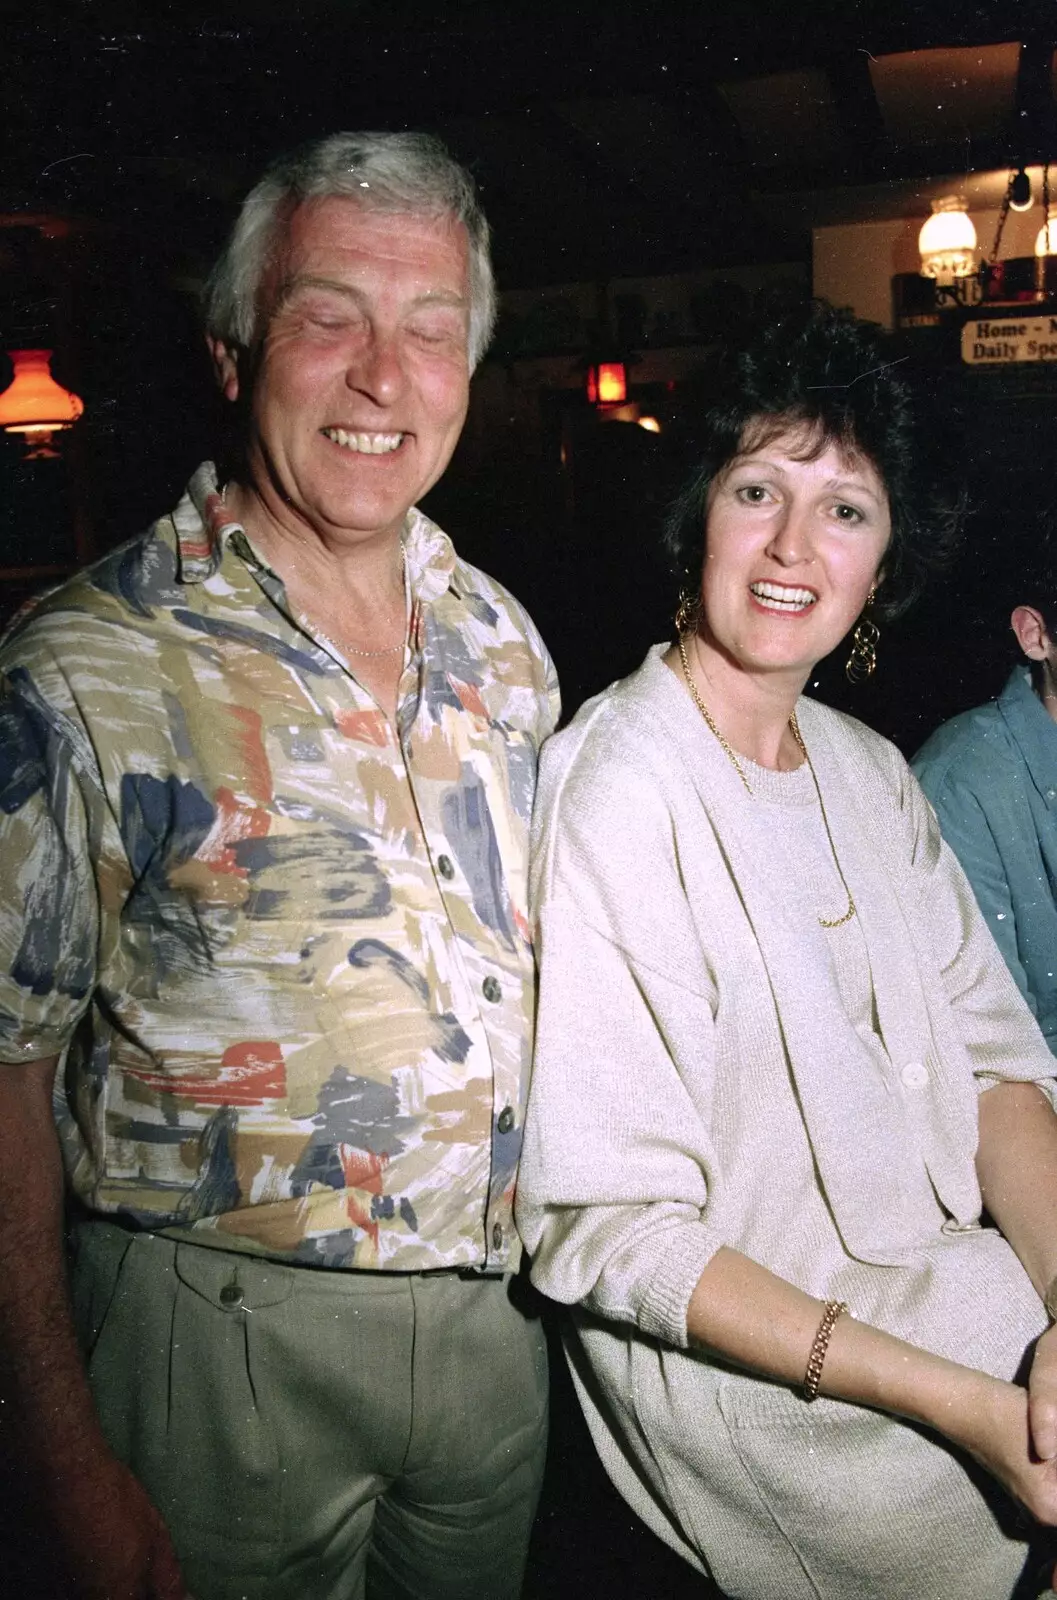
(315,567)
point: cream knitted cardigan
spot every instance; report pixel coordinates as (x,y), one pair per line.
(697,1083)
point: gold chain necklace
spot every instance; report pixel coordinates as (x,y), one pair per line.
(824,922)
(310,628)
(351,650)
(348,650)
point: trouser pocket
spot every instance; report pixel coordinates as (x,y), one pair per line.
(172,1368)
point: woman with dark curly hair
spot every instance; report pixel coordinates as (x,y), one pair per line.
(782,1072)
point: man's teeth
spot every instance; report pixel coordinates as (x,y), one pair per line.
(368,444)
(780,598)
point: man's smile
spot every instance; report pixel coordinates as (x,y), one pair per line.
(369,444)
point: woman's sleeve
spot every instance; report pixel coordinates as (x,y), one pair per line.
(613,1189)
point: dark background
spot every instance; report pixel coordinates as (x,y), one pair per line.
(609,142)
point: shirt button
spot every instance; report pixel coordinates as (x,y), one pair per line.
(491,989)
(914,1075)
(232,1296)
(444,867)
(506,1119)
(497,1236)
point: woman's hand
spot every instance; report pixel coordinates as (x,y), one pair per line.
(1042,1396)
(996,1431)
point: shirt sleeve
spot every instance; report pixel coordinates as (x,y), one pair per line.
(966,827)
(982,986)
(48,899)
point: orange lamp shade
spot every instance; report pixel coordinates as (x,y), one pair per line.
(34,403)
(607,384)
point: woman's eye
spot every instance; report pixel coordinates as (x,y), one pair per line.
(846,513)
(753,494)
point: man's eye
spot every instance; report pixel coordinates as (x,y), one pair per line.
(433,333)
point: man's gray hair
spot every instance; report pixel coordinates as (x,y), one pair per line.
(411,173)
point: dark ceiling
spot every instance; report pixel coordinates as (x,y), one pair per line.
(609,139)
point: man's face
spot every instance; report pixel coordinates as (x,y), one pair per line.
(360,381)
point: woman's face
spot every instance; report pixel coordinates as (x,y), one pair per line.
(792,549)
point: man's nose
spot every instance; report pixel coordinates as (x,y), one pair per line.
(377,370)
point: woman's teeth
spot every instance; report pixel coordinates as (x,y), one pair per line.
(778,598)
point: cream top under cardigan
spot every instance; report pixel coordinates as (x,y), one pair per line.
(698,1083)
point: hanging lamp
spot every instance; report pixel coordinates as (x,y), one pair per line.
(34,404)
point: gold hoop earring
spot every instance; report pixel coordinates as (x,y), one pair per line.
(862,661)
(688,612)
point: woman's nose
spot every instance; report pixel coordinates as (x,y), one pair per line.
(790,541)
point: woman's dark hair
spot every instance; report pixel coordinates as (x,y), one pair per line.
(838,380)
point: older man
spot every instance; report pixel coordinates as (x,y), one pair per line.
(265,785)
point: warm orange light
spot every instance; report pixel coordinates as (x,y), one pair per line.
(34,404)
(612,383)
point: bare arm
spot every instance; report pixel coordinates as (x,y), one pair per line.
(109,1536)
(1016,1162)
(754,1319)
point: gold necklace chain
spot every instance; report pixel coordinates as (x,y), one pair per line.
(317,633)
(349,650)
(352,650)
(824,922)
(700,704)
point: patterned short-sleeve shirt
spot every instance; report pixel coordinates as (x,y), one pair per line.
(283,943)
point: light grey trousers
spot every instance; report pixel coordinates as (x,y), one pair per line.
(318,1435)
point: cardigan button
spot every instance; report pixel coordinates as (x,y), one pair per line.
(915,1075)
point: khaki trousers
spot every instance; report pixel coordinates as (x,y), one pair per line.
(318,1435)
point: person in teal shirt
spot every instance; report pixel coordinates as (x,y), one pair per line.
(991,775)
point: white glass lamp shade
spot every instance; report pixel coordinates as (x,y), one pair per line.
(33,400)
(948,241)
(1046,239)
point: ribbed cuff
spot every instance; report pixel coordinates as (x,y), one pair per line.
(662,1314)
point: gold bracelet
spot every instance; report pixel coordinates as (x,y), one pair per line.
(813,1375)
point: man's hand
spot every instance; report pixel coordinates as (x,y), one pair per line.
(113,1542)
(103,1533)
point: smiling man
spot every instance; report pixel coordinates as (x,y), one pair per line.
(266,779)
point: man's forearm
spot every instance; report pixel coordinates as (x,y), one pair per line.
(42,1377)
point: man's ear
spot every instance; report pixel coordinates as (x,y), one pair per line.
(1029,626)
(225,365)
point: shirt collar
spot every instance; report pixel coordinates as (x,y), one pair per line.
(205,527)
(1033,730)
